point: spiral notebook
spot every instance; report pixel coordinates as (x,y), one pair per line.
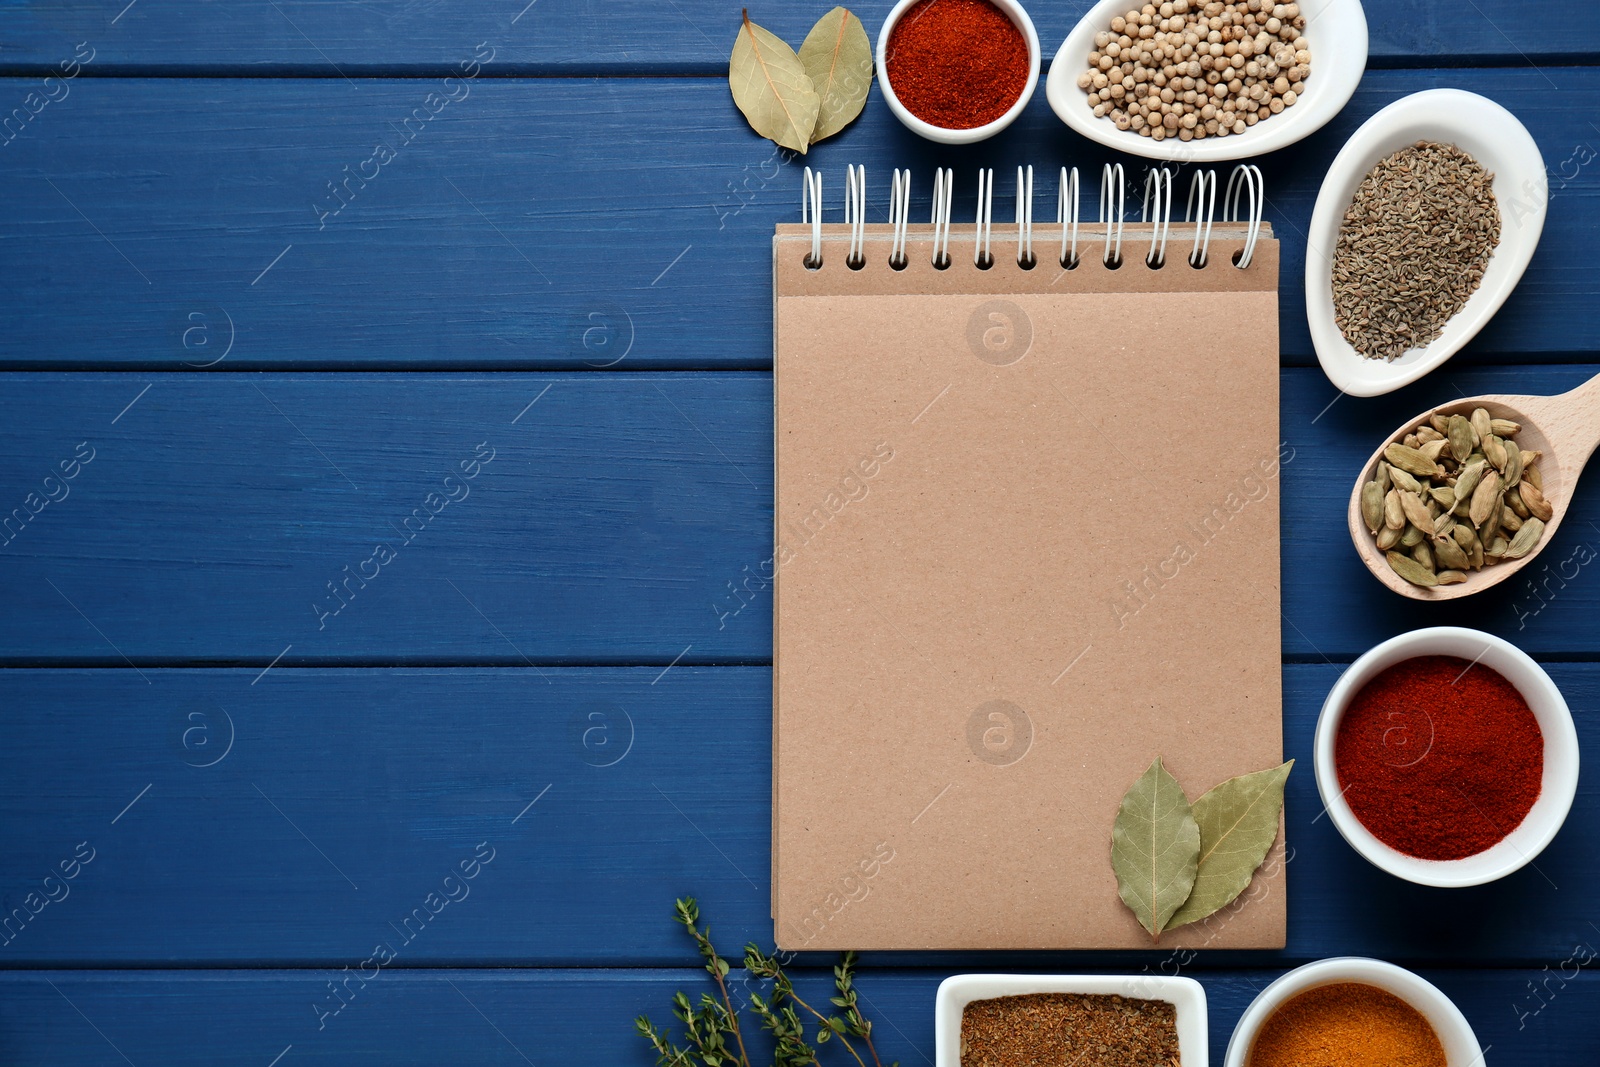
(1026,541)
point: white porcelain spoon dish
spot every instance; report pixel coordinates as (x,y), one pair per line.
(1336,30)
(1502,145)
(1564,428)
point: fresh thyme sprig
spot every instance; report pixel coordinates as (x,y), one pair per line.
(708,1027)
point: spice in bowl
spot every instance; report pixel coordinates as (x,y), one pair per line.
(1439,758)
(1069,1028)
(957,64)
(1455,495)
(1348,1024)
(1192,70)
(1413,247)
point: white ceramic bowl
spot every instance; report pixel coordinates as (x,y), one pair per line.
(1019,17)
(1560,783)
(1455,1033)
(957,991)
(1337,30)
(1491,135)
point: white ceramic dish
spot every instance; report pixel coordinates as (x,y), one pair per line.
(1337,30)
(957,991)
(1560,782)
(1455,1033)
(1491,135)
(1020,18)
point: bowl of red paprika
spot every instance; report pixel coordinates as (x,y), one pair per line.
(958,71)
(1447,757)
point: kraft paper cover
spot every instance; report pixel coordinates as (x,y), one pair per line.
(1026,541)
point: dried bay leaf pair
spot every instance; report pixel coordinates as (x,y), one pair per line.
(1178,863)
(798,99)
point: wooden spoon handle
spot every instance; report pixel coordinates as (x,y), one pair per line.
(1570,421)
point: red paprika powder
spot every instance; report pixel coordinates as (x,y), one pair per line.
(1440,758)
(957,64)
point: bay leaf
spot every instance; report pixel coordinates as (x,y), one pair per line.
(838,58)
(772,88)
(1238,823)
(1155,848)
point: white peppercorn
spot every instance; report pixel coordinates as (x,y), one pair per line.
(1193,70)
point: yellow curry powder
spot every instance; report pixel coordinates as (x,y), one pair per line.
(1346,1025)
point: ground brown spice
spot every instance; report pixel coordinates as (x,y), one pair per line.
(1055,1029)
(1346,1025)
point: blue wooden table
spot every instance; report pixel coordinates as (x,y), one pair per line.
(526,347)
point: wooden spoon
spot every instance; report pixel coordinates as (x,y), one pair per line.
(1565,428)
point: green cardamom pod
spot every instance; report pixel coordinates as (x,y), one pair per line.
(1504,427)
(1526,538)
(1450,577)
(1411,460)
(1481,423)
(1468,480)
(1404,482)
(1372,505)
(1533,498)
(1484,497)
(1411,536)
(1388,537)
(1495,450)
(1394,516)
(1513,468)
(1462,437)
(1444,496)
(1417,512)
(1439,422)
(1423,554)
(1411,570)
(1383,476)
(1451,555)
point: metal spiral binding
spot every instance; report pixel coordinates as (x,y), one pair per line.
(1246,180)
(1025,258)
(982,257)
(1202,211)
(1157,192)
(944,187)
(1069,190)
(899,214)
(811,212)
(855,215)
(1243,202)
(1112,186)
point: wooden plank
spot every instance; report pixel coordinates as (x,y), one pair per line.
(566,36)
(552,223)
(607,529)
(520,1017)
(353,518)
(349,795)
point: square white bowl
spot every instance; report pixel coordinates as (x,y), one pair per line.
(959,990)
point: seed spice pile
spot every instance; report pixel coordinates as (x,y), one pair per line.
(1051,1029)
(1413,248)
(1456,495)
(1194,70)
